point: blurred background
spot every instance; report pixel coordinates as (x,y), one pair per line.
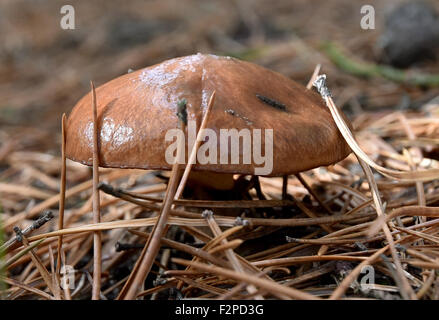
(45,69)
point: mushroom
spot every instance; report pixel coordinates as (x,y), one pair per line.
(136,110)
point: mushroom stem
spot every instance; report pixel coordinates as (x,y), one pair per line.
(213,180)
(284,187)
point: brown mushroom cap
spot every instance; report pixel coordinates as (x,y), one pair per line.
(136,110)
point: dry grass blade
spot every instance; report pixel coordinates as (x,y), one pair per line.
(285,262)
(344,285)
(268,285)
(62,191)
(24,191)
(403,211)
(188,249)
(419,234)
(23,252)
(314,76)
(38,263)
(149,252)
(231,256)
(413,176)
(192,156)
(363,159)
(26,287)
(45,217)
(192,222)
(172,192)
(405,288)
(27,214)
(66,288)
(215,203)
(145,261)
(427,285)
(412,137)
(226,246)
(55,278)
(97,237)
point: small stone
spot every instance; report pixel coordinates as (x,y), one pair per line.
(411,34)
